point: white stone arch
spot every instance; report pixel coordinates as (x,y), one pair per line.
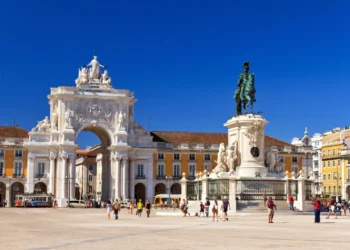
(101,130)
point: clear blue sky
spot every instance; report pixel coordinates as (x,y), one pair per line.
(182,59)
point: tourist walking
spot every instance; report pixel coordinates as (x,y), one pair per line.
(207,206)
(331,208)
(271,207)
(265,198)
(291,202)
(116,209)
(139,208)
(109,207)
(345,207)
(215,211)
(201,209)
(317,209)
(227,206)
(148,208)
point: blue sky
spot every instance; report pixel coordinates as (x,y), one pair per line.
(182,59)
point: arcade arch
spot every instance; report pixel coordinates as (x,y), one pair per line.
(2,192)
(159,189)
(175,188)
(16,188)
(140,192)
(40,188)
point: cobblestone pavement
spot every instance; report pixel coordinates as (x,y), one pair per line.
(89,229)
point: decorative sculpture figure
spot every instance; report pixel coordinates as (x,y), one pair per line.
(42,126)
(106,80)
(95,72)
(221,162)
(121,120)
(245,92)
(54,120)
(231,157)
(68,118)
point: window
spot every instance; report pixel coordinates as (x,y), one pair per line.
(324,164)
(324,177)
(18,153)
(329,177)
(160,170)
(333,152)
(339,176)
(91,167)
(160,156)
(329,189)
(294,159)
(207,157)
(333,163)
(1,168)
(329,153)
(295,170)
(176,156)
(90,189)
(334,189)
(90,177)
(140,170)
(41,168)
(329,163)
(192,157)
(325,189)
(338,162)
(2,153)
(192,170)
(334,176)
(18,169)
(177,170)
(338,151)
(324,153)
(280,159)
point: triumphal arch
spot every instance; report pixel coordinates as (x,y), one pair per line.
(92,105)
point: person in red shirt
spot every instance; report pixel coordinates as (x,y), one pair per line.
(271,207)
(317,209)
(291,202)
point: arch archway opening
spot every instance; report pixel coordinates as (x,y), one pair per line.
(93,172)
(2,193)
(140,192)
(16,188)
(175,188)
(40,188)
(160,189)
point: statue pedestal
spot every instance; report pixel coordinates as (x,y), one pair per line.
(248,131)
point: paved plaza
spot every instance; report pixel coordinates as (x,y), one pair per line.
(90,229)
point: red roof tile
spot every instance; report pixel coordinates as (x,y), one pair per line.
(13,132)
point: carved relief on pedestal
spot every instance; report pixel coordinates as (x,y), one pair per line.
(254,133)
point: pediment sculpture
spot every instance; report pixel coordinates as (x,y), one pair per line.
(91,74)
(43,126)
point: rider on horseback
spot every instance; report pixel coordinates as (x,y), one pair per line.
(245,92)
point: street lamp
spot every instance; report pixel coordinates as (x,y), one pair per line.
(169,178)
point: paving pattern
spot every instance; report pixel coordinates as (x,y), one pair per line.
(47,228)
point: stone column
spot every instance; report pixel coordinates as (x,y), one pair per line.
(183,183)
(30,174)
(149,176)
(99,179)
(8,195)
(132,179)
(125,181)
(85,183)
(63,176)
(301,193)
(232,194)
(51,188)
(117,178)
(286,186)
(72,177)
(204,186)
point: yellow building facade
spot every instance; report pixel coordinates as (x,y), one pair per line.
(13,162)
(335,171)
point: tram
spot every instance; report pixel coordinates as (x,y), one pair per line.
(34,200)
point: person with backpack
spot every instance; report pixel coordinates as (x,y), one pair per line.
(226,206)
(116,209)
(271,207)
(207,205)
(201,209)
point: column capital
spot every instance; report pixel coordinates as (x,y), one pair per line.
(31,157)
(63,155)
(52,156)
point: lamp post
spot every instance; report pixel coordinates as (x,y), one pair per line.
(169,178)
